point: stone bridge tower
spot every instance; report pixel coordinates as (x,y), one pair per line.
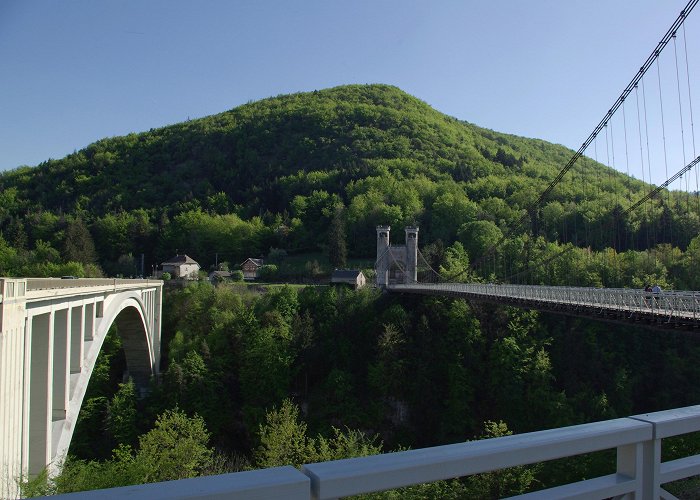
(397,263)
(383,257)
(411,275)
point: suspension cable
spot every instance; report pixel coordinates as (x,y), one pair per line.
(645,67)
(656,191)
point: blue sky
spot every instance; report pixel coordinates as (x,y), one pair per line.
(75,71)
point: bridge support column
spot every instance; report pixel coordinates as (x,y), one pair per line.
(38,411)
(61,363)
(89,321)
(77,326)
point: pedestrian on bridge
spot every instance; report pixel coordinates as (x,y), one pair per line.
(656,290)
(647,295)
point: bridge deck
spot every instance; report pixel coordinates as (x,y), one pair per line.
(665,310)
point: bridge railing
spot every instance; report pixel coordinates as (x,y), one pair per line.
(637,440)
(51,283)
(669,303)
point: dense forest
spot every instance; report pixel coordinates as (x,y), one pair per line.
(255,377)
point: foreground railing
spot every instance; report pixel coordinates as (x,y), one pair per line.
(671,304)
(637,439)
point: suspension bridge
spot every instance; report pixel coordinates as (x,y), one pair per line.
(397,269)
(612,217)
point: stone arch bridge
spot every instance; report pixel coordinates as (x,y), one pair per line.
(51,332)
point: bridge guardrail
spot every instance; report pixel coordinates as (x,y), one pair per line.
(638,471)
(51,283)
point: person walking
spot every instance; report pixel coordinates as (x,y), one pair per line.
(647,295)
(656,290)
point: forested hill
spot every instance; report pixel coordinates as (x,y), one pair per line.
(264,153)
(274,174)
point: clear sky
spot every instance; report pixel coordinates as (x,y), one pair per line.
(75,71)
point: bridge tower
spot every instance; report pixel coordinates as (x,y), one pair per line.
(383,257)
(411,274)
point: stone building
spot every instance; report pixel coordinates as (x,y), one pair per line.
(397,263)
(181,266)
(352,277)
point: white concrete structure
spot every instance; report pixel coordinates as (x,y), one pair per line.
(638,473)
(51,332)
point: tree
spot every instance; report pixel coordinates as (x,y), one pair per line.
(121,414)
(176,448)
(283,438)
(79,245)
(268,272)
(337,249)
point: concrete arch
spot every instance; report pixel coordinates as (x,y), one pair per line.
(127,311)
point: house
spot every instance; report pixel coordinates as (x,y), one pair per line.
(219,276)
(181,266)
(352,277)
(250,268)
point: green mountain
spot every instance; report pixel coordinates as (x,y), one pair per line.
(275,173)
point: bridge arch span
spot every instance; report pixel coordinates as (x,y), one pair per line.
(130,316)
(128,312)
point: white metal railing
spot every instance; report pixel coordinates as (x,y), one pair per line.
(637,439)
(671,304)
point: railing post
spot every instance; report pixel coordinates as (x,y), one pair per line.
(642,461)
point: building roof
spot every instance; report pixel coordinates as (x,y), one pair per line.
(179,259)
(257,262)
(220,274)
(346,274)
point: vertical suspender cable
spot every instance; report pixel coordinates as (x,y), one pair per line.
(680,115)
(599,191)
(692,125)
(628,240)
(641,161)
(663,135)
(646,135)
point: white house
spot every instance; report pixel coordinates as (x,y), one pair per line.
(181,266)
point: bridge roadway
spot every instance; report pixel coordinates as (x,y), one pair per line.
(666,310)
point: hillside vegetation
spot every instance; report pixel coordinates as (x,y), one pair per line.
(293,172)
